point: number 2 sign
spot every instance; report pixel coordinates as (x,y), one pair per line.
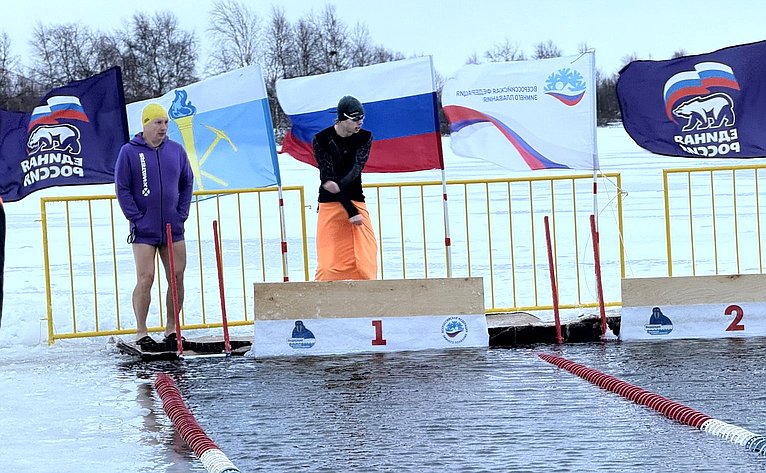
(735,324)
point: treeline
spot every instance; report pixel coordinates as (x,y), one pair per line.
(157,54)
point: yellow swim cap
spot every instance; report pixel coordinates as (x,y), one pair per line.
(151,112)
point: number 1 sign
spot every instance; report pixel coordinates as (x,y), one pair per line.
(322,318)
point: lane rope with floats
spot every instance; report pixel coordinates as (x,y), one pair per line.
(214,460)
(669,408)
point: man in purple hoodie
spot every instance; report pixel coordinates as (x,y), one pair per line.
(153,181)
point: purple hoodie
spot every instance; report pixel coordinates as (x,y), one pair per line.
(154,187)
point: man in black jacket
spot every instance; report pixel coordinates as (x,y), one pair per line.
(346,243)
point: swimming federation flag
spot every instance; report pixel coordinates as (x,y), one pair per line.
(709,105)
(399,101)
(71,138)
(526,114)
(224,123)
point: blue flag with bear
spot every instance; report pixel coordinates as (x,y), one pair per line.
(71,138)
(709,106)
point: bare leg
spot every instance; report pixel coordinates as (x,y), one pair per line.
(142,293)
(179,262)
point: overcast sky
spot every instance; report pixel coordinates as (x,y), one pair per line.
(452,30)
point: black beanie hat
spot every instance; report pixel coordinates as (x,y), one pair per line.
(349,107)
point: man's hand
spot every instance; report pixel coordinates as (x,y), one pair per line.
(331,187)
(356,220)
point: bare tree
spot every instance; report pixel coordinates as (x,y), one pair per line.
(361,49)
(364,53)
(8,64)
(439,81)
(62,53)
(17,91)
(679,53)
(157,55)
(332,40)
(628,58)
(607,106)
(381,54)
(505,52)
(473,59)
(306,37)
(105,51)
(545,50)
(280,47)
(280,62)
(236,34)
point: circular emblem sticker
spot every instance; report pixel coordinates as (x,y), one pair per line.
(454,329)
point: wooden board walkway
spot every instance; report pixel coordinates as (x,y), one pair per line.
(522,328)
(206,346)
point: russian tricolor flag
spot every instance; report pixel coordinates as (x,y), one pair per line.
(59,107)
(400,109)
(698,82)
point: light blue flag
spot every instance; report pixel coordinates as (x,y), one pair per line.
(224,123)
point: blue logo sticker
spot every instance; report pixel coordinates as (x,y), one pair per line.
(659,323)
(566,85)
(302,338)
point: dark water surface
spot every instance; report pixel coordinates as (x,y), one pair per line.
(495,410)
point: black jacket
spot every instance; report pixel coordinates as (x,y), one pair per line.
(342,160)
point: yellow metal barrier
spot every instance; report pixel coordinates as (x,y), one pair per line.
(713,220)
(86,241)
(497,233)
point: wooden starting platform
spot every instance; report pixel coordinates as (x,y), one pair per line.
(694,307)
(338,317)
(341,317)
(207,346)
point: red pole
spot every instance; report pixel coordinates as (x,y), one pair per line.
(559,338)
(219,263)
(597,261)
(176,309)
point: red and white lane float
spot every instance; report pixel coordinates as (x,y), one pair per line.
(663,405)
(214,460)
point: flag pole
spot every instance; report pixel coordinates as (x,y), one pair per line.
(447,240)
(445,207)
(594,137)
(594,216)
(283,233)
(275,165)
(219,265)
